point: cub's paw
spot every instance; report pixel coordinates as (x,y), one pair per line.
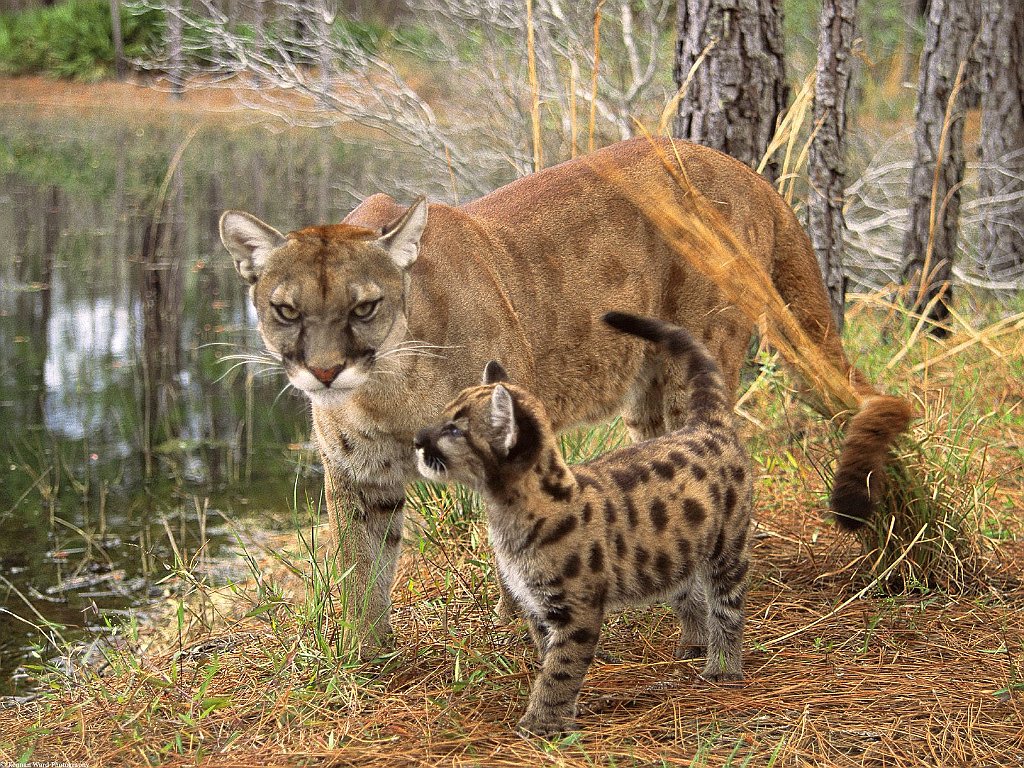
(688,652)
(505,611)
(721,676)
(544,724)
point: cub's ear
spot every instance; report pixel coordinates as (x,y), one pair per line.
(494,373)
(249,241)
(401,238)
(503,419)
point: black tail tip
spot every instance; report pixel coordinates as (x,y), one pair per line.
(616,319)
(851,505)
(645,328)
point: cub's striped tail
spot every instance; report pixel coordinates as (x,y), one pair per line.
(860,475)
(706,393)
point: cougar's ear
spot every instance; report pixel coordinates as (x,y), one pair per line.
(249,241)
(401,238)
(503,419)
(494,373)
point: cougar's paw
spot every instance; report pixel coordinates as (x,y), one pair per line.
(544,724)
(376,643)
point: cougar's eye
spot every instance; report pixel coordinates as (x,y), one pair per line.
(286,312)
(450,430)
(365,309)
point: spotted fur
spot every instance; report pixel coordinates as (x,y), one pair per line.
(664,520)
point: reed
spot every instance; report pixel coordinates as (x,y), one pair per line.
(593,75)
(531,56)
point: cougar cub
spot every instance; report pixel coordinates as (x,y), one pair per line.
(665,520)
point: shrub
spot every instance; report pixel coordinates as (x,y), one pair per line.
(73,40)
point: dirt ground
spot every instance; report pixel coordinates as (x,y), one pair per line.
(142,98)
(832,680)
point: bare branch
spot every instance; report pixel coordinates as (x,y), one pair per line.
(877,220)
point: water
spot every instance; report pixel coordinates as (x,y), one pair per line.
(122,424)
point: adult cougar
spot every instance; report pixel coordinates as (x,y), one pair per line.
(384,318)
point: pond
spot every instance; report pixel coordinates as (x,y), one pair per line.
(128,430)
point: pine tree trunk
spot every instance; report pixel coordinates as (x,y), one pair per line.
(115,25)
(258,19)
(737,93)
(913,14)
(175,52)
(826,161)
(1001,173)
(944,90)
(322,19)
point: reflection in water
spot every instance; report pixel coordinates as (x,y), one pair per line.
(161,293)
(117,414)
(80,336)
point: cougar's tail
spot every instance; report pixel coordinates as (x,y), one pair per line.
(705,386)
(871,432)
(860,475)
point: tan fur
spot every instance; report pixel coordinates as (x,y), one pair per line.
(666,520)
(515,276)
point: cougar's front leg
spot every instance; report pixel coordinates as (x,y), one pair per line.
(365,539)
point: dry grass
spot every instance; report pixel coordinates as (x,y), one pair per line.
(837,674)
(139,102)
(922,681)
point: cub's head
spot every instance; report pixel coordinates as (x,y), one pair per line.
(488,436)
(330,300)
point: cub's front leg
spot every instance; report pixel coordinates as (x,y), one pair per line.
(570,640)
(363,547)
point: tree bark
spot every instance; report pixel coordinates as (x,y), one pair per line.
(913,13)
(1001,171)
(175,48)
(736,94)
(826,160)
(944,90)
(115,25)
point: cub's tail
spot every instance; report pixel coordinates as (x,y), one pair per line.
(706,392)
(860,475)
(870,434)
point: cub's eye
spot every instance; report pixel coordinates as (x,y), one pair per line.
(450,430)
(286,312)
(366,309)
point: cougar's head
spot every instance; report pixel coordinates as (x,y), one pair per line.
(487,435)
(330,300)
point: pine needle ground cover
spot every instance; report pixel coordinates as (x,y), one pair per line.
(840,671)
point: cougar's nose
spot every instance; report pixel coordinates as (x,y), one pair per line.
(326,375)
(422,439)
